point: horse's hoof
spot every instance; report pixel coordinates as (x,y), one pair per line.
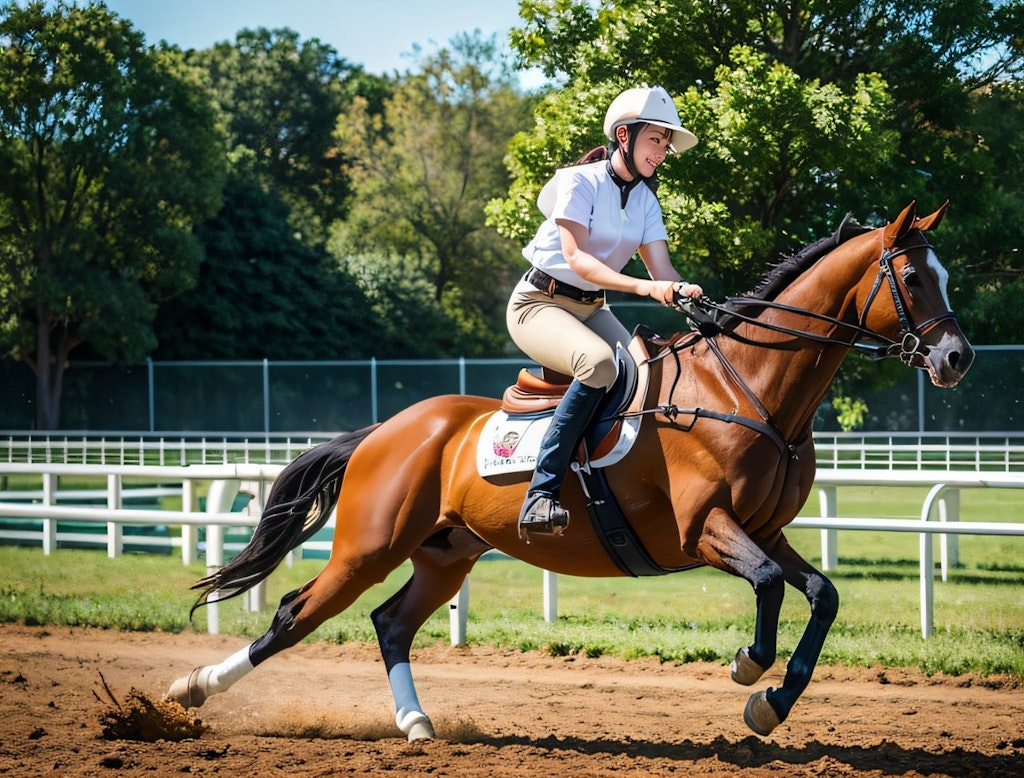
(421,730)
(745,670)
(760,715)
(416,726)
(189,692)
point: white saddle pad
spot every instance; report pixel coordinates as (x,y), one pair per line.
(509,444)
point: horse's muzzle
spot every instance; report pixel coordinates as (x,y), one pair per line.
(947,361)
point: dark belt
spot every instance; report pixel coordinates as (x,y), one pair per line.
(551,286)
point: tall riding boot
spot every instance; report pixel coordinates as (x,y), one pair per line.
(541,511)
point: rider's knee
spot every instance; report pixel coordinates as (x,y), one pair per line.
(597,373)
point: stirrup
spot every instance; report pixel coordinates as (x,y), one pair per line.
(541,513)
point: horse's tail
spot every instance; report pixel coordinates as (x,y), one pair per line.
(298,506)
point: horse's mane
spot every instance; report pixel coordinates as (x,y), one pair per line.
(790,268)
(725,318)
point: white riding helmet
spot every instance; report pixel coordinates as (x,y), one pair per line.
(648,105)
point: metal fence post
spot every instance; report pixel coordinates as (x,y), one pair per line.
(829,537)
(550,596)
(458,614)
(49,525)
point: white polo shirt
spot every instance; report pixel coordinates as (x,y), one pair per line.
(587,195)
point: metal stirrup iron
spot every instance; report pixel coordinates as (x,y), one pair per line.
(541,513)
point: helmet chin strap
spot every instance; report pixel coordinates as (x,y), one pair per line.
(626,150)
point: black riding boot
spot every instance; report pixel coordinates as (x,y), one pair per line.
(541,511)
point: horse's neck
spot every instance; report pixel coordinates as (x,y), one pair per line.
(790,375)
(789,385)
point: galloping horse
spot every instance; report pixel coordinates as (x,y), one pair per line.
(722,461)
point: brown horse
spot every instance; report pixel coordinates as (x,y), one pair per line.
(722,462)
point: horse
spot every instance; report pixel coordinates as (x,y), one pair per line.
(723,459)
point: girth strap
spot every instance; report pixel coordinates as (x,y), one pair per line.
(613,529)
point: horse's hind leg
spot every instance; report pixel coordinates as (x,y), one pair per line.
(292,622)
(298,615)
(440,566)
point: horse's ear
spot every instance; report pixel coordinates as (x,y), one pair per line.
(931,222)
(902,224)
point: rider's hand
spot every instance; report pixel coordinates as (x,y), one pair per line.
(670,293)
(684,289)
(661,291)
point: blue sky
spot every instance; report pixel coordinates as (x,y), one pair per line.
(373,33)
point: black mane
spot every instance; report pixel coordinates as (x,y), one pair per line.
(791,267)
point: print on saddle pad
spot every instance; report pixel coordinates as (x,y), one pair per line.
(510,439)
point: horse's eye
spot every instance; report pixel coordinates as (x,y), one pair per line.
(910,277)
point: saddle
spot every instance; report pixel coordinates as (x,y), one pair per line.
(607,440)
(534,394)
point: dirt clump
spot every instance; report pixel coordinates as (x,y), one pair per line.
(138,717)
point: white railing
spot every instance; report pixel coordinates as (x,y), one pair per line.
(939,515)
(224,484)
(86,448)
(1002,451)
(227,481)
(995,452)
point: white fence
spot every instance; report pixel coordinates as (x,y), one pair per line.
(967,451)
(978,452)
(939,515)
(209,448)
(945,468)
(223,482)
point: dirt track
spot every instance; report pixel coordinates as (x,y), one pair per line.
(325,710)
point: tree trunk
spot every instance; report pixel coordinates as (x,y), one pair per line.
(49,366)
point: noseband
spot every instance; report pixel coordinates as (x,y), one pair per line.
(909,348)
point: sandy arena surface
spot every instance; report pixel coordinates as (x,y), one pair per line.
(325,710)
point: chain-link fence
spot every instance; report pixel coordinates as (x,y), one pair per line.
(275,397)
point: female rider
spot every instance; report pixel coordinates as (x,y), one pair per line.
(599,214)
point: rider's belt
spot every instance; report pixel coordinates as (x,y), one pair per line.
(551,287)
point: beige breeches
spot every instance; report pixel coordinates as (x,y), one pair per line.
(576,339)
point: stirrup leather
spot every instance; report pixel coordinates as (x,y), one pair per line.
(541,513)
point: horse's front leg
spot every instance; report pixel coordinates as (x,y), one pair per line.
(725,546)
(823,598)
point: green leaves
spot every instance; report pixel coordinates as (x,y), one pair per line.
(422,169)
(111,155)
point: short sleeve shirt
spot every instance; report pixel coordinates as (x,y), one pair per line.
(587,195)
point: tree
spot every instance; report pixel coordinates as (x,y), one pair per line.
(268,288)
(991,241)
(110,155)
(905,81)
(422,172)
(281,97)
(263,293)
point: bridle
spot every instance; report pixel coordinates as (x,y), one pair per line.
(908,347)
(706,318)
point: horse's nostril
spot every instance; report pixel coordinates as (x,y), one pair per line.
(961,360)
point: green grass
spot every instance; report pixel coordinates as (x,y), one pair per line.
(697,615)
